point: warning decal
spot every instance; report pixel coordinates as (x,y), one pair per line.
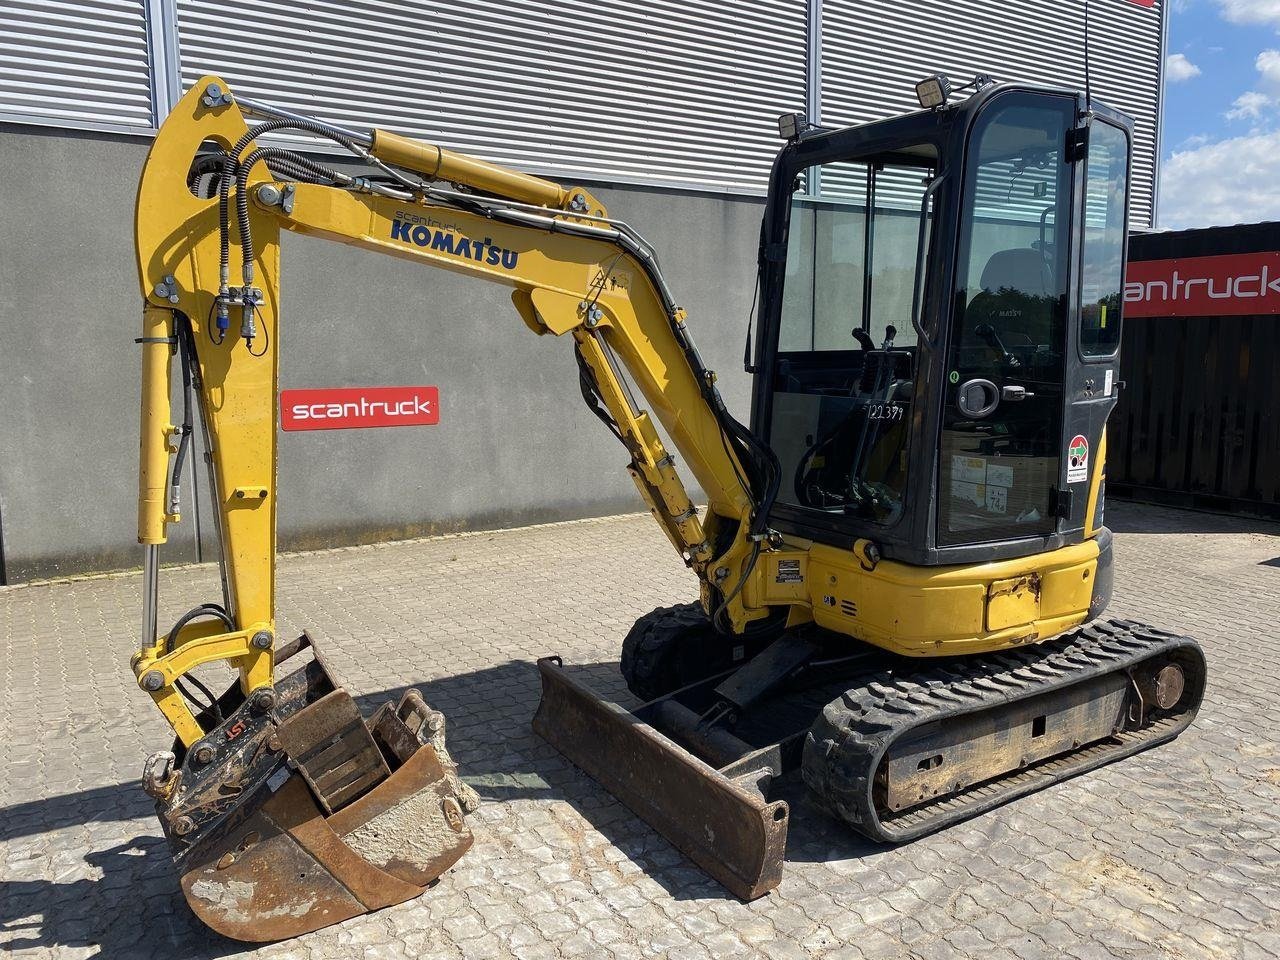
(1078,459)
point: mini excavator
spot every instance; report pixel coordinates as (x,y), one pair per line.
(902,561)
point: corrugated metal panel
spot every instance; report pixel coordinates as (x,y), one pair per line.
(671,90)
(873,52)
(75,64)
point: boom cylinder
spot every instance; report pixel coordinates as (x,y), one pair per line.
(156,424)
(442,164)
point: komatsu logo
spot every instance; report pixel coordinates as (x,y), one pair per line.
(423,232)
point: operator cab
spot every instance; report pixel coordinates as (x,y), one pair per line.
(940,325)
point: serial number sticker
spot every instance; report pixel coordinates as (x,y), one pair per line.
(886,411)
(789,572)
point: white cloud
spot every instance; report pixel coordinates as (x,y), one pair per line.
(1178,68)
(1268,64)
(1249,106)
(1265,12)
(1260,105)
(1230,181)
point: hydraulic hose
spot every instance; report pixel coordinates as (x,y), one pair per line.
(182,333)
(230,170)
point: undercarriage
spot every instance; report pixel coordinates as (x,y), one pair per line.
(894,747)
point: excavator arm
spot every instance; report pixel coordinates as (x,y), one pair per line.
(291,742)
(571,269)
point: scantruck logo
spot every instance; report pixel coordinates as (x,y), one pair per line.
(1239,284)
(349,408)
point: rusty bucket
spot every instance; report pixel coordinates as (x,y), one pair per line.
(294,812)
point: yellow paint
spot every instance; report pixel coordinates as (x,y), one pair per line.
(438,163)
(1013,602)
(1095,487)
(156,429)
(940,611)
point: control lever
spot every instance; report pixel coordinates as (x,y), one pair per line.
(987,333)
(1012,391)
(863,338)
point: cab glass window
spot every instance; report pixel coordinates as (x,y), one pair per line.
(1002,414)
(1102,266)
(845,369)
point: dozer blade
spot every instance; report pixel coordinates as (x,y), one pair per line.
(723,826)
(293,815)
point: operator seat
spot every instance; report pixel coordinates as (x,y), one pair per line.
(1017,298)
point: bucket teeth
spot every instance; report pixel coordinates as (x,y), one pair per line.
(291,821)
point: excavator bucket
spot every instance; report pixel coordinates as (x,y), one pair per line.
(716,817)
(294,812)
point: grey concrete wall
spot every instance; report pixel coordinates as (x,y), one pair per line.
(515,443)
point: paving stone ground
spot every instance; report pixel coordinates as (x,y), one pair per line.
(1174,853)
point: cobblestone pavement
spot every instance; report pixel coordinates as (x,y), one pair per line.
(1174,853)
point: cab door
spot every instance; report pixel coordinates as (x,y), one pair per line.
(1002,424)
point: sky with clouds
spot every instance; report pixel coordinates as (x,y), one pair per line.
(1221,135)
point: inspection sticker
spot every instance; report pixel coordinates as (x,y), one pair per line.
(999,476)
(969,469)
(1078,459)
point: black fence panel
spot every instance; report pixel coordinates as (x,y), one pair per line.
(1198,418)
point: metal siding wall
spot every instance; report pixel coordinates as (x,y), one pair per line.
(75,64)
(681,91)
(874,51)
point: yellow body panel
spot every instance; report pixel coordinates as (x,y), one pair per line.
(1095,486)
(940,611)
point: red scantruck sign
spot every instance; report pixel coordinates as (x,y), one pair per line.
(1238,284)
(349,408)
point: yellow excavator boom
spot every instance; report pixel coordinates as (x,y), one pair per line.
(571,271)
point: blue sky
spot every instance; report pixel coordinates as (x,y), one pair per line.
(1221,141)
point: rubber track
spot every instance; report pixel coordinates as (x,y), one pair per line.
(650,648)
(844,747)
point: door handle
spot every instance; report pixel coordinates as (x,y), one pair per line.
(977,398)
(1012,392)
